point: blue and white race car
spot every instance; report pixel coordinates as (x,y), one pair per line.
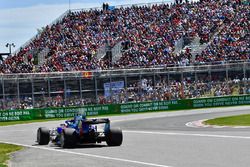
(80,130)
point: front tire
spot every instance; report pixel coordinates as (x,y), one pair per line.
(114,137)
(43,136)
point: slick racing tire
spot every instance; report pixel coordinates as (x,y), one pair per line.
(68,138)
(43,136)
(114,137)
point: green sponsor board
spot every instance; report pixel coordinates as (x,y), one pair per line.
(94,110)
(155,106)
(221,101)
(15,115)
(32,114)
(70,112)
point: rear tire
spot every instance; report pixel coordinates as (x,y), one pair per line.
(114,137)
(68,138)
(43,136)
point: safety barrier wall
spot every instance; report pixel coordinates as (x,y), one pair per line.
(96,110)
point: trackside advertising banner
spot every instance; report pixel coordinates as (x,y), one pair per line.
(95,110)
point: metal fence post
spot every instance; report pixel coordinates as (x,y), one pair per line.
(140,90)
(154,87)
(96,88)
(126,86)
(195,75)
(65,92)
(168,78)
(227,72)
(110,86)
(182,75)
(32,89)
(80,87)
(49,86)
(4,99)
(209,73)
(18,92)
(245,78)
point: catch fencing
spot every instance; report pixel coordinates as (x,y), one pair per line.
(65,89)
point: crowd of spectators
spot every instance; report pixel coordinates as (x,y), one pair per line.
(145,90)
(232,43)
(140,91)
(151,32)
(153,43)
(148,35)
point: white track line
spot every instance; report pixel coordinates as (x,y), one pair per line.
(88,155)
(187,134)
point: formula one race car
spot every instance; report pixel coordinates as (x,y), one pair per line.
(80,131)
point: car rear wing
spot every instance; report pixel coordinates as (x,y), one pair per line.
(96,121)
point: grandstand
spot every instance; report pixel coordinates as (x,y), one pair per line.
(132,53)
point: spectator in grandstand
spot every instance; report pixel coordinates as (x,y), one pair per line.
(152,31)
(105,6)
(231,44)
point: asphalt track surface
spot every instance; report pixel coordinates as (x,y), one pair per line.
(152,139)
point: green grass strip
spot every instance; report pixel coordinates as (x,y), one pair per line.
(5,150)
(238,120)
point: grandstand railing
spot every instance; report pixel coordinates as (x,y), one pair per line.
(170,68)
(101,52)
(126,5)
(179,44)
(116,52)
(41,55)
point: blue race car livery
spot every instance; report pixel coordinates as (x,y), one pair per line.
(80,131)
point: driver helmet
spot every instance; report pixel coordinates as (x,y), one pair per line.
(80,114)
